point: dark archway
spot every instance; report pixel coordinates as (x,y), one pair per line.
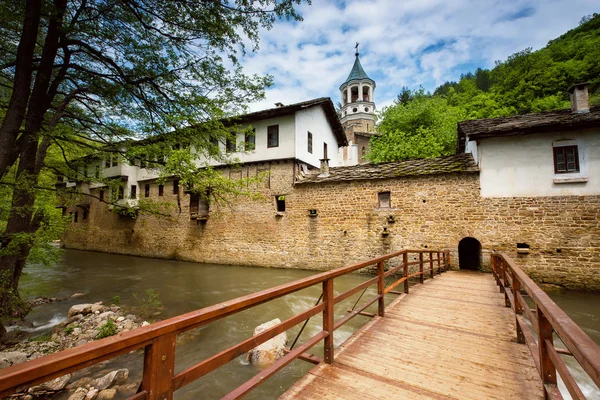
(469,254)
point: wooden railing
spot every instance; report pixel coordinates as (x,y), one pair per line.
(159,339)
(545,319)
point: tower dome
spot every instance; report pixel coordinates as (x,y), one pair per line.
(358,106)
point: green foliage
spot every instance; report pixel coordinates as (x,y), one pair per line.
(108,329)
(46,337)
(424,125)
(69,329)
(149,304)
(116,300)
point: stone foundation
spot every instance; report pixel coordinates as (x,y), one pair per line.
(434,211)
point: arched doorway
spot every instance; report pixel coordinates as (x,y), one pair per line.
(469,254)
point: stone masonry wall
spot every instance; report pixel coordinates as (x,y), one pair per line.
(434,211)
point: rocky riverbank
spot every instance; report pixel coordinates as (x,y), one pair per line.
(85,323)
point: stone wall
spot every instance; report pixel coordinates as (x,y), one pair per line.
(434,211)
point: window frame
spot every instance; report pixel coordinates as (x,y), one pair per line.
(230,144)
(310,142)
(272,136)
(563,149)
(133,192)
(147,190)
(161,190)
(389,199)
(250,140)
(176,186)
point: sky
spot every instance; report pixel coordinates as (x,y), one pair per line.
(402,43)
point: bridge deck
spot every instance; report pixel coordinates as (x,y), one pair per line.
(449,338)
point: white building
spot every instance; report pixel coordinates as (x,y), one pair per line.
(308,132)
(554,153)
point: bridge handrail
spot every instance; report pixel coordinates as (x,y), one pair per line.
(548,318)
(158,339)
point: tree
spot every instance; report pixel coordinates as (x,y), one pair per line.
(425,127)
(85,77)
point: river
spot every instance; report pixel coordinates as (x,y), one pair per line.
(186,286)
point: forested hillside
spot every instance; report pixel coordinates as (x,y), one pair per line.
(424,124)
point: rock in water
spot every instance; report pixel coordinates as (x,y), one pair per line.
(271,350)
(54,385)
(113,378)
(80,309)
(79,394)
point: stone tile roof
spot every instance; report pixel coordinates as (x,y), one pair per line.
(550,121)
(426,166)
(324,102)
(530,123)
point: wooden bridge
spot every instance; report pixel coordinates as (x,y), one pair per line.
(451,335)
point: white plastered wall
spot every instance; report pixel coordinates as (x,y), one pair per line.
(313,120)
(517,166)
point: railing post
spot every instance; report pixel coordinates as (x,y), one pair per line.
(159,365)
(518,307)
(431,264)
(500,269)
(380,289)
(421,267)
(439,261)
(328,320)
(547,368)
(405,262)
(447,263)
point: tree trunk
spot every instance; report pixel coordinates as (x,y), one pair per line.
(17,106)
(20,229)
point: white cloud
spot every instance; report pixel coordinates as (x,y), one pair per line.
(402,43)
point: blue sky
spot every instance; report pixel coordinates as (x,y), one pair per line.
(402,42)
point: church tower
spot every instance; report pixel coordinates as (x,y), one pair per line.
(358,111)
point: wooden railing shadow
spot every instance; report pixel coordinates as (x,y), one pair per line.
(158,339)
(546,319)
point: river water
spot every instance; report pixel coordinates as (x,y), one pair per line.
(183,287)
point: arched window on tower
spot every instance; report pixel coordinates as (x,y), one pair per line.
(354,94)
(365,93)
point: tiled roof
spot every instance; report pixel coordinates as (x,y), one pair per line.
(550,121)
(357,73)
(324,102)
(425,166)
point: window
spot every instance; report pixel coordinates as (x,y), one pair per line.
(310,142)
(325,151)
(146,190)
(230,144)
(198,207)
(120,193)
(75,216)
(101,195)
(114,162)
(280,200)
(364,151)
(250,139)
(97,172)
(107,162)
(176,146)
(133,192)
(84,215)
(176,186)
(566,159)
(161,190)
(384,200)
(273,136)
(214,142)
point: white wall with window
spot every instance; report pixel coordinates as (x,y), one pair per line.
(544,164)
(313,120)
